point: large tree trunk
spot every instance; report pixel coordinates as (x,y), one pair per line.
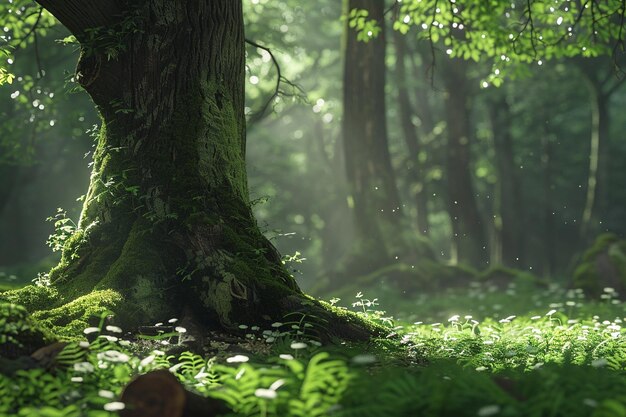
(166,221)
(374,196)
(467,225)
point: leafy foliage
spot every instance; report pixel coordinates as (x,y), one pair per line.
(509,32)
(564,362)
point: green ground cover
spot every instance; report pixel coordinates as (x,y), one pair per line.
(476,351)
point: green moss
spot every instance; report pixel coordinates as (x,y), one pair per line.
(33,297)
(424,275)
(503,276)
(20,334)
(69,320)
(602,265)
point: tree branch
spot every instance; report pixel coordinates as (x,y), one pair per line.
(279,79)
(79,15)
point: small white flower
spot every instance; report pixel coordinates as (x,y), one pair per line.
(365,359)
(114,329)
(550,313)
(265,393)
(83,344)
(286,356)
(277,384)
(113,356)
(83,367)
(175,367)
(90,330)
(201,374)
(489,410)
(181,329)
(147,360)
(106,393)
(114,406)
(237,359)
(590,402)
(298,345)
(77,379)
(172,320)
(599,363)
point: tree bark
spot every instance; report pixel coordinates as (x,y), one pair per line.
(509,198)
(405,110)
(467,225)
(374,195)
(602,84)
(167,221)
(550,241)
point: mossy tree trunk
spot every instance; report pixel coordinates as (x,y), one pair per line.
(166,221)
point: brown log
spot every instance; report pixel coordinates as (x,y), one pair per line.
(160,394)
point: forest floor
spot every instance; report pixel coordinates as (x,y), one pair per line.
(475,351)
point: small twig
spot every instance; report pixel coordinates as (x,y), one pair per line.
(430,70)
(620,40)
(37,57)
(279,77)
(32,29)
(393,7)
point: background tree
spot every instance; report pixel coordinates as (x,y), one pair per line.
(373,191)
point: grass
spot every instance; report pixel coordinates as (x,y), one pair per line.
(480,351)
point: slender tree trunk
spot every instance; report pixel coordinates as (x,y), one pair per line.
(598,161)
(373,191)
(602,83)
(510,219)
(405,110)
(550,242)
(166,221)
(467,225)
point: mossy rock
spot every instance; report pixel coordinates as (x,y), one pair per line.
(502,276)
(603,265)
(422,276)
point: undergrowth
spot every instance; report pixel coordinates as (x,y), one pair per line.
(559,356)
